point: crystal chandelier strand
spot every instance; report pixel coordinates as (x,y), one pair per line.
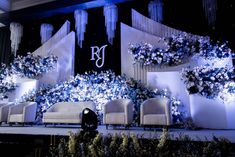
(16,34)
(111,18)
(81,19)
(155,10)
(46,32)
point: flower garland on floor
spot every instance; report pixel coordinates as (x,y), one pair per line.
(209,81)
(99,88)
(178,49)
(24,66)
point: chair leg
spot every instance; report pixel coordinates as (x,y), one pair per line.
(166,127)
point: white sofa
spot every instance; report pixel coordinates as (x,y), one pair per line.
(67,112)
(22,113)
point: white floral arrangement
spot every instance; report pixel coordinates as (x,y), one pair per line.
(178,49)
(209,81)
(99,88)
(32,66)
(24,66)
(213,50)
(5,83)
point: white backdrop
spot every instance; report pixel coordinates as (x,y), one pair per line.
(152,76)
(205,113)
(132,35)
(60,34)
(65,51)
(213,114)
(62,45)
(172,82)
(24,85)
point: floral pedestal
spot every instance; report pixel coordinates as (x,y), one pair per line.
(212,113)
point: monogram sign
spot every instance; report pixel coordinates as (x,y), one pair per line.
(98,54)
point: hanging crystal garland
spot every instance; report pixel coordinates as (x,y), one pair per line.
(46,32)
(81,19)
(16,34)
(111,17)
(210,7)
(155,10)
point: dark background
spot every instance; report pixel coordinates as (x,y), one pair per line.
(184,15)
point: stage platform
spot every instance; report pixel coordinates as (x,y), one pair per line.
(63,130)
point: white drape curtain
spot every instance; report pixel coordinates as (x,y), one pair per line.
(81,19)
(46,32)
(111,18)
(16,34)
(210,8)
(155,10)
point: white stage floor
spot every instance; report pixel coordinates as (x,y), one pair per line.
(63,130)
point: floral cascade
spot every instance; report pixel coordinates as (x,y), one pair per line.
(178,49)
(210,82)
(6,84)
(32,66)
(213,50)
(99,88)
(28,66)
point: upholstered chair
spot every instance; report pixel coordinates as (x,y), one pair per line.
(4,110)
(118,112)
(155,111)
(22,113)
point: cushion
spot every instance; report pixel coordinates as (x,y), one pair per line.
(154,119)
(16,118)
(115,118)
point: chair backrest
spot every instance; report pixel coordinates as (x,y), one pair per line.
(157,105)
(73,106)
(116,105)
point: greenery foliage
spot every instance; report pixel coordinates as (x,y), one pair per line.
(94,144)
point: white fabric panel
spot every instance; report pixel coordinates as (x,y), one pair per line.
(148,25)
(24,85)
(20,4)
(65,51)
(172,81)
(5,5)
(45,49)
(132,35)
(213,114)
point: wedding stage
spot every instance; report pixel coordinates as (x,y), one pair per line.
(63,131)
